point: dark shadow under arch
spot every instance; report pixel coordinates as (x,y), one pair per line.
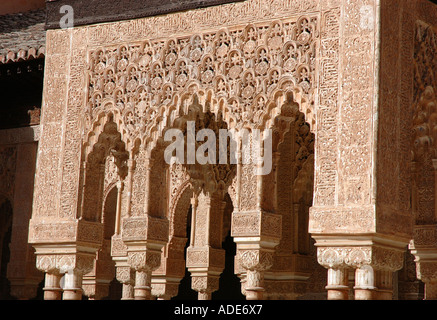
(5,239)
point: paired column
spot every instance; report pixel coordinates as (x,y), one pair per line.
(70,267)
(52,286)
(338,283)
(72,285)
(374,267)
(57,257)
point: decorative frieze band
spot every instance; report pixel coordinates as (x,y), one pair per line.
(145,228)
(205,257)
(256,223)
(65,231)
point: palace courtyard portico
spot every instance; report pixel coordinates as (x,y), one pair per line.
(343,94)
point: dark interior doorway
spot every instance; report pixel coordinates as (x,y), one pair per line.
(229,285)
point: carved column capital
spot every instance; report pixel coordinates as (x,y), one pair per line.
(381,258)
(205,284)
(374,263)
(47,264)
(256,234)
(255,262)
(332,258)
(165,290)
(145,261)
(256,259)
(426,268)
(61,263)
(125,275)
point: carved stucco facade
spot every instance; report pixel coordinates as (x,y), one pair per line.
(341,84)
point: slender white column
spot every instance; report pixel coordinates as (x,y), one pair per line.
(52,287)
(72,285)
(338,288)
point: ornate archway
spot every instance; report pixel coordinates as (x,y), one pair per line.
(251,77)
(344,65)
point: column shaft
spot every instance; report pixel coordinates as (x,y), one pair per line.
(255,285)
(143,287)
(72,286)
(52,287)
(364,283)
(128,292)
(338,288)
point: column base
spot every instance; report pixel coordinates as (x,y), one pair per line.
(338,292)
(143,293)
(72,294)
(255,293)
(52,293)
(364,294)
